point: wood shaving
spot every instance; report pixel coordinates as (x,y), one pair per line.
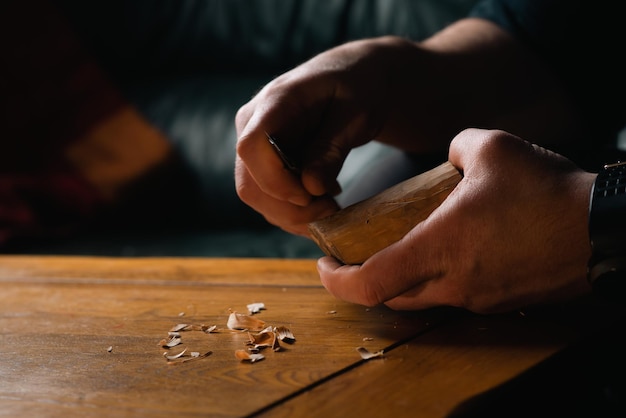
(244,322)
(197,356)
(189,327)
(180,327)
(194,355)
(110,349)
(243,355)
(174,356)
(255,307)
(170,342)
(284,334)
(260,336)
(210,329)
(265,338)
(366,354)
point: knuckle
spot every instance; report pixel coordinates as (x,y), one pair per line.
(372,294)
(243,146)
(245,190)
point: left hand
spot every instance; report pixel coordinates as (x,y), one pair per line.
(513,233)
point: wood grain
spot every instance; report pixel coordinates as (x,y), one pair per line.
(424,377)
(60,315)
(358,231)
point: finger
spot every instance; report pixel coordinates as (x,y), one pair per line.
(292,218)
(267,169)
(383,277)
(412,273)
(425,295)
(319,177)
(463,148)
(482,149)
(364,284)
(344,281)
(346,127)
(288,108)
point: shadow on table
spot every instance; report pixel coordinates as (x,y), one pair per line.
(585,380)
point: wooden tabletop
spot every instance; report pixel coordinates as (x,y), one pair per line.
(81,336)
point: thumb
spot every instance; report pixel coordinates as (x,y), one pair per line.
(321,169)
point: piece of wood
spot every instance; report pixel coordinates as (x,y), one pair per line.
(358,231)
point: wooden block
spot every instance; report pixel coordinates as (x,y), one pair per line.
(358,231)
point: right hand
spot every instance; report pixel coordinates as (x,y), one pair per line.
(318,112)
(513,233)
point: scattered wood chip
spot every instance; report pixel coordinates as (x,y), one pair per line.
(110,348)
(194,327)
(331,312)
(244,322)
(265,338)
(188,327)
(174,356)
(366,354)
(368,339)
(255,307)
(170,342)
(284,334)
(260,336)
(180,327)
(194,355)
(210,329)
(243,355)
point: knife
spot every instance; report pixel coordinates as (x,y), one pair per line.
(287,162)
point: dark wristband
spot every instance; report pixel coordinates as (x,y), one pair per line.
(607,227)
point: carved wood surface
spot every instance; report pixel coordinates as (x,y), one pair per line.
(360,230)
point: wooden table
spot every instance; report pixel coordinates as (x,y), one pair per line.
(80,337)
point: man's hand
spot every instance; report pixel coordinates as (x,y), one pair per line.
(513,233)
(318,113)
(412,95)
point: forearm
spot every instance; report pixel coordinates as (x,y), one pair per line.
(474,74)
